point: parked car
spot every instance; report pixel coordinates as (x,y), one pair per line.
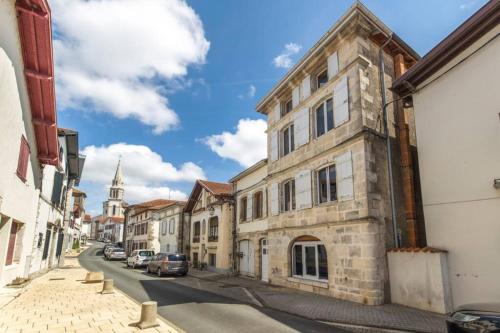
(472,318)
(139,258)
(117,253)
(168,263)
(107,250)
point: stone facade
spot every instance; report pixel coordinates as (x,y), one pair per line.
(355,227)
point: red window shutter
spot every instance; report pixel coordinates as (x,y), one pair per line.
(22,163)
(12,243)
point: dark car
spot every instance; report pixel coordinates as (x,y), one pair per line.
(475,318)
(168,263)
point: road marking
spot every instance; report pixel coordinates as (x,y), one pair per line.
(252,297)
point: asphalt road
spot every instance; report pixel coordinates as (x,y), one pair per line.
(194,309)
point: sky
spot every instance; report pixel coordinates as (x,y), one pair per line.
(170,86)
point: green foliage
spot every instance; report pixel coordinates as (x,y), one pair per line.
(76,244)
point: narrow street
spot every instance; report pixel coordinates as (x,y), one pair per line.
(184,302)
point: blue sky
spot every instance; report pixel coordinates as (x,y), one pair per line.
(205,89)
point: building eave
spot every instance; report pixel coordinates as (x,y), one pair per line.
(249,170)
(35,33)
(484,20)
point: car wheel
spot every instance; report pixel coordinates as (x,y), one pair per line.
(159,272)
(184,274)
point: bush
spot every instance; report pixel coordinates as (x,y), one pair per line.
(76,244)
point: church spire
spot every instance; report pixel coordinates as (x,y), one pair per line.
(118,180)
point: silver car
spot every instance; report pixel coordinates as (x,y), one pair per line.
(168,263)
(117,254)
(139,258)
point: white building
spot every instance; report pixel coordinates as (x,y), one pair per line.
(35,164)
(455,94)
(171,221)
(114,209)
(250,191)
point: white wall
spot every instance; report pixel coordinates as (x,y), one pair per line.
(18,200)
(168,241)
(458,133)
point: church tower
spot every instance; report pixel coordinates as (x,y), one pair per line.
(114,205)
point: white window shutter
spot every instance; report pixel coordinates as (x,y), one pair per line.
(295,96)
(333,65)
(301,127)
(303,194)
(249,207)
(276,113)
(274,197)
(274,146)
(341,102)
(345,183)
(306,87)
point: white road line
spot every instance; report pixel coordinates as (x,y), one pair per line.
(249,294)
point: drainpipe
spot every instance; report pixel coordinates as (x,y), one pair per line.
(388,139)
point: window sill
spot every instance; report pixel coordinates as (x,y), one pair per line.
(309,282)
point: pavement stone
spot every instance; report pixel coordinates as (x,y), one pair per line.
(329,309)
(69,305)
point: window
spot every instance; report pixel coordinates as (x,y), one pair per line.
(114,210)
(287,140)
(243,209)
(321,79)
(196,232)
(257,205)
(213,232)
(171,227)
(13,247)
(288,196)
(286,107)
(22,162)
(204,227)
(164,227)
(310,260)
(212,260)
(327,184)
(324,117)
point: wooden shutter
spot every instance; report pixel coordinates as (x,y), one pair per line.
(274,146)
(22,162)
(301,127)
(277,113)
(345,183)
(333,65)
(306,87)
(57,186)
(303,196)
(295,96)
(274,196)
(12,243)
(249,207)
(341,102)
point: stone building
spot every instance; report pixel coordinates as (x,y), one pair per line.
(210,207)
(250,194)
(330,218)
(113,209)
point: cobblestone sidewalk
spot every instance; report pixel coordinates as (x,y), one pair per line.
(328,309)
(59,302)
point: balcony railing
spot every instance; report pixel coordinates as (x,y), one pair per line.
(213,238)
(196,238)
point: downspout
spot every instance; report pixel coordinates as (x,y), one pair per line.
(388,140)
(235,240)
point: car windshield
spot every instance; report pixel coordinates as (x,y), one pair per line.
(176,257)
(117,250)
(146,253)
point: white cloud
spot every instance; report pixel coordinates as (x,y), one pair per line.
(250,92)
(145,193)
(468,4)
(140,165)
(111,53)
(246,146)
(284,59)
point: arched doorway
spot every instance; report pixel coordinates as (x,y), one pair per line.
(247,258)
